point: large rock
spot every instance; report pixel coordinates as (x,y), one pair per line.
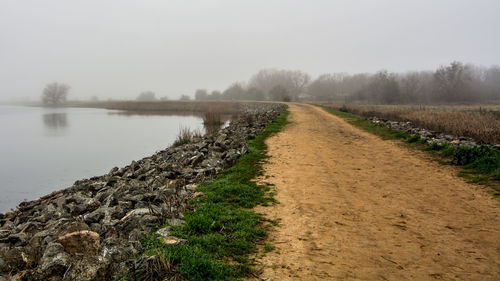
(84,242)
(55,261)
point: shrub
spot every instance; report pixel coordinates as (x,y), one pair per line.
(414,138)
(465,155)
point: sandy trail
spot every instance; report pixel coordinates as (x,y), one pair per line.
(356,207)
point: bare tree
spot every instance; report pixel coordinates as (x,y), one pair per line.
(298,81)
(235,92)
(279,93)
(201,94)
(146,96)
(185,98)
(294,81)
(451,82)
(55,94)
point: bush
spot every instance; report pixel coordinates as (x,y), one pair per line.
(414,138)
(496,175)
(465,155)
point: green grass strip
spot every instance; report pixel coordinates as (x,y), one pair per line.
(223,229)
(481,164)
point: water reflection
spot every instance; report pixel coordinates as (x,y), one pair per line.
(55,121)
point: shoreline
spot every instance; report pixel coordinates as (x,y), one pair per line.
(83,231)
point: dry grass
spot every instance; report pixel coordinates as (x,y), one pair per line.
(212,121)
(167,106)
(212,118)
(187,135)
(481,123)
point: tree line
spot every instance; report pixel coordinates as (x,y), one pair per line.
(453,83)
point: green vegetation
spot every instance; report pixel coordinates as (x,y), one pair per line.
(481,164)
(222,230)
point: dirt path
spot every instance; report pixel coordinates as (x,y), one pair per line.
(355,207)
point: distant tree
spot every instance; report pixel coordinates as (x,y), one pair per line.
(255,94)
(492,82)
(215,95)
(146,96)
(94,98)
(298,81)
(294,82)
(325,87)
(201,94)
(451,82)
(279,93)
(385,88)
(416,87)
(55,94)
(164,98)
(185,98)
(234,92)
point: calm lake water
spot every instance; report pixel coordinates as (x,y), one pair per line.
(46,149)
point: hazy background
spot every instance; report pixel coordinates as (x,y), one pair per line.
(116,49)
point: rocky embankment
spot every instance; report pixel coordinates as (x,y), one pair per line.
(430,136)
(91,230)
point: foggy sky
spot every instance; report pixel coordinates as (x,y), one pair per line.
(116,49)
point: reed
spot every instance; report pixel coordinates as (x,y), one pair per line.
(186,135)
(164,106)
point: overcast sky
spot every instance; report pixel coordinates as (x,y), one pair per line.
(116,49)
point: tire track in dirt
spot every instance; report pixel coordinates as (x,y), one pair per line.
(355,207)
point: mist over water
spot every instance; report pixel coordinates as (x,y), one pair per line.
(47,149)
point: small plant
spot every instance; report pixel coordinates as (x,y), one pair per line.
(465,155)
(496,175)
(186,136)
(343,108)
(414,139)
(437,146)
(268,247)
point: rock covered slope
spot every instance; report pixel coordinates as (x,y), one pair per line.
(87,231)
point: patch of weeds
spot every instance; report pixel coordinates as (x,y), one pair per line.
(223,229)
(470,178)
(448,151)
(436,147)
(465,155)
(496,175)
(414,139)
(268,247)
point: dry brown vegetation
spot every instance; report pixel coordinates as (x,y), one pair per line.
(166,106)
(478,122)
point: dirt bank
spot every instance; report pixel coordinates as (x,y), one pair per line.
(358,208)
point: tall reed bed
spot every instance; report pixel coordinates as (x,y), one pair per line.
(164,106)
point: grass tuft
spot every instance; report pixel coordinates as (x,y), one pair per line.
(186,135)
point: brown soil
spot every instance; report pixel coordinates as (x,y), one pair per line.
(355,207)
